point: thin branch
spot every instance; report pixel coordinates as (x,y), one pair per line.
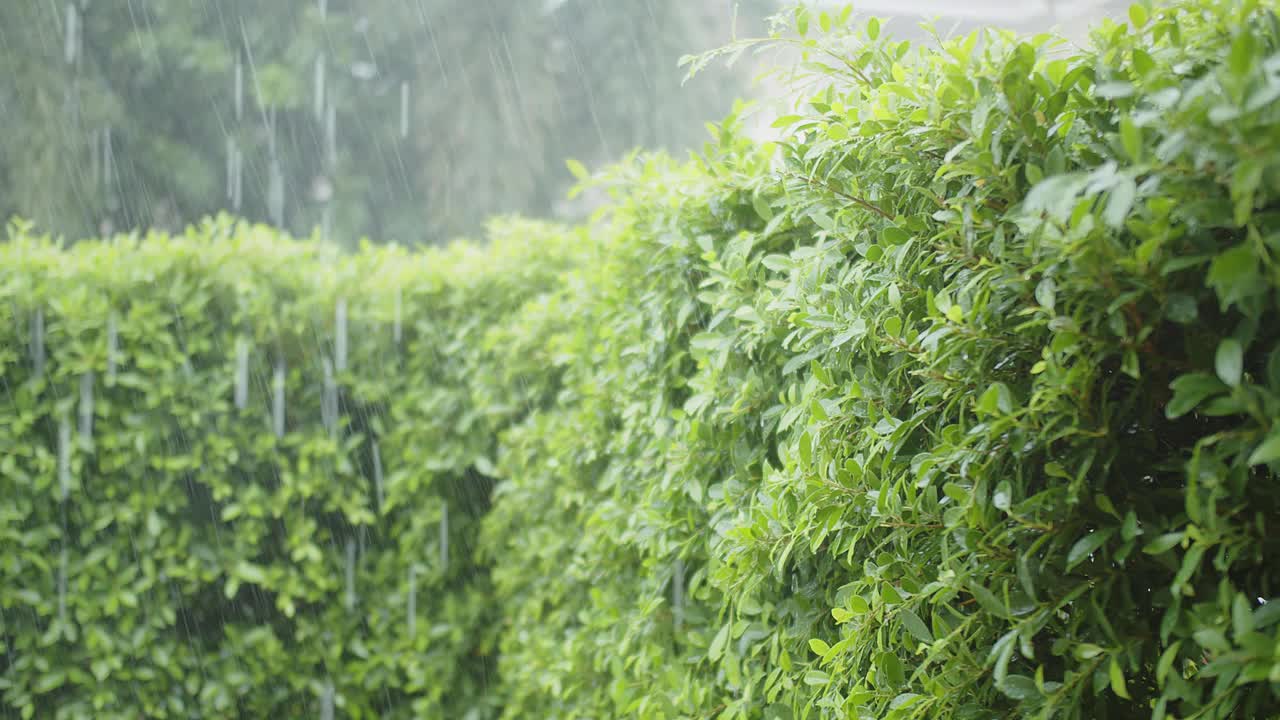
(839,193)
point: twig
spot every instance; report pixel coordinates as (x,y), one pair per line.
(851,198)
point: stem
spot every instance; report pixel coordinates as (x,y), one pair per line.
(832,189)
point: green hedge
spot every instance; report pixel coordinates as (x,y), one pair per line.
(196,564)
(961,400)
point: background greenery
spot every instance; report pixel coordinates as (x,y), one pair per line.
(125,117)
(959,401)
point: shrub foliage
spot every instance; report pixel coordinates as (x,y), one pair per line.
(173,556)
(958,401)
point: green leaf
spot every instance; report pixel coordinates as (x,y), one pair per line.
(1142,62)
(915,625)
(819,647)
(1120,202)
(248,572)
(1086,651)
(1046,293)
(1165,664)
(837,132)
(1245,180)
(1130,529)
(1116,673)
(996,400)
(816,677)
(1131,138)
(1268,451)
(1002,497)
(1229,361)
(1085,546)
(894,235)
(1000,654)
(718,643)
(1019,687)
(1234,275)
(873,29)
(1189,391)
(988,600)
(1241,616)
(1240,58)
(889,594)
(50,681)
(761,207)
(1163,543)
(823,220)
(1138,15)
(890,668)
(577,168)
(1212,639)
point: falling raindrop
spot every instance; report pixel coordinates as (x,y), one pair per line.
(331,135)
(108,158)
(62,585)
(238,88)
(71,45)
(411,604)
(275,194)
(329,400)
(242,373)
(95,154)
(64,456)
(277,400)
(326,701)
(318,91)
(37,343)
(231,168)
(677,593)
(404,109)
(350,598)
(237,176)
(113,347)
(326,222)
(444,537)
(377,474)
(340,335)
(397,331)
(324,8)
(86,408)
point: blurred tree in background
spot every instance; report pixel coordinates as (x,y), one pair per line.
(410,120)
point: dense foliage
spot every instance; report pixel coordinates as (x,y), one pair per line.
(959,401)
(170,551)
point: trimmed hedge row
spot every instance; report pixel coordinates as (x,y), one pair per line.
(168,553)
(959,401)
